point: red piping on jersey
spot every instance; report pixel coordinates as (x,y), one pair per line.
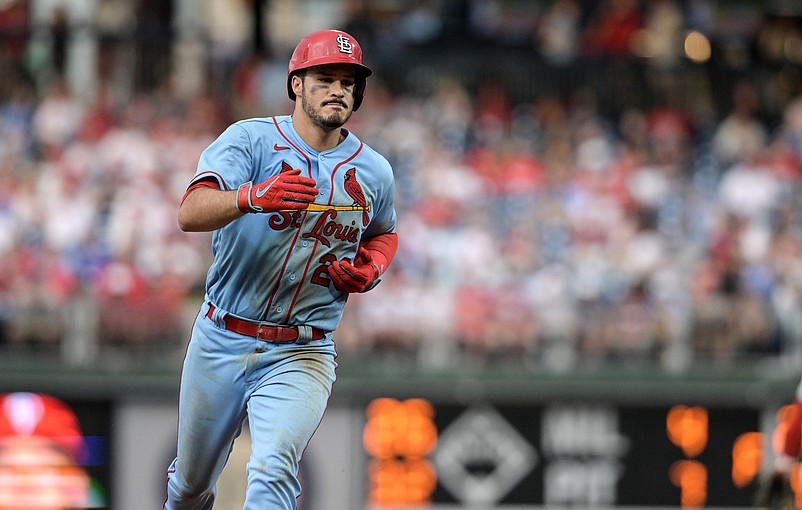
(297,233)
(301,284)
(314,248)
(341,163)
(204,179)
(205,175)
(301,152)
(201,184)
(284,268)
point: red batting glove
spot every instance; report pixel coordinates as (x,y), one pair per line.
(287,190)
(355,278)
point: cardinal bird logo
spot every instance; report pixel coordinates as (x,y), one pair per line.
(354,190)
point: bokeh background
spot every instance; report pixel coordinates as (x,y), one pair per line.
(597,200)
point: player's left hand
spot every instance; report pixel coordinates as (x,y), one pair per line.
(361,276)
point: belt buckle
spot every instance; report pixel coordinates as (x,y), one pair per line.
(304,335)
(263,332)
(272,333)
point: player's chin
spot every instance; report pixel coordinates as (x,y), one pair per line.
(335,119)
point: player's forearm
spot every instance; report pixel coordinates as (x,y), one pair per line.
(382,249)
(207,209)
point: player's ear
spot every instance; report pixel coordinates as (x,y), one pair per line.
(297,83)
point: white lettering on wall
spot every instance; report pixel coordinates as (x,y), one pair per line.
(581,447)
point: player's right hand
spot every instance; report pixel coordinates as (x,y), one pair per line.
(361,276)
(287,190)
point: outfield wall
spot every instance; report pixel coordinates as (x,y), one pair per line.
(457,441)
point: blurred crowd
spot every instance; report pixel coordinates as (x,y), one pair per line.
(545,232)
(548,233)
(88,201)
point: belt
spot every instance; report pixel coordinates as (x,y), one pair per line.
(269,332)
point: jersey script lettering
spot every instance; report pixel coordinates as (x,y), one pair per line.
(324,229)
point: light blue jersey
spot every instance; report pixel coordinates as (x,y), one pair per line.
(285,280)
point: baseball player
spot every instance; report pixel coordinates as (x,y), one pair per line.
(790,447)
(302,215)
(775,490)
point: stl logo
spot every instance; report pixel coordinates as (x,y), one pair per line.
(345,44)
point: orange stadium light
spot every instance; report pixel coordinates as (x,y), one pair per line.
(691,477)
(399,435)
(687,429)
(747,457)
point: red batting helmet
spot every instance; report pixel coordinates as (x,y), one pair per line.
(329,47)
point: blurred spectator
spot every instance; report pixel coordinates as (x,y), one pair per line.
(671,127)
(612,28)
(713,318)
(420,23)
(740,135)
(246,87)
(661,39)
(634,329)
(16,121)
(115,23)
(57,118)
(60,39)
(558,31)
(789,137)
(750,190)
(14,31)
(153,35)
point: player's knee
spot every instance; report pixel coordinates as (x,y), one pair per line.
(275,469)
(191,489)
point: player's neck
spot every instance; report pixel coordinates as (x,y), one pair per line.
(320,139)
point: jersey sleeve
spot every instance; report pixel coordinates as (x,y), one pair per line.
(384,220)
(227,160)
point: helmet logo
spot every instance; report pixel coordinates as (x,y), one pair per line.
(345,44)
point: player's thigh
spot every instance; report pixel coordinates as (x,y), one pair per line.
(212,400)
(285,410)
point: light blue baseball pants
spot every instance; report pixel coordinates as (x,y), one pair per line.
(283,388)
